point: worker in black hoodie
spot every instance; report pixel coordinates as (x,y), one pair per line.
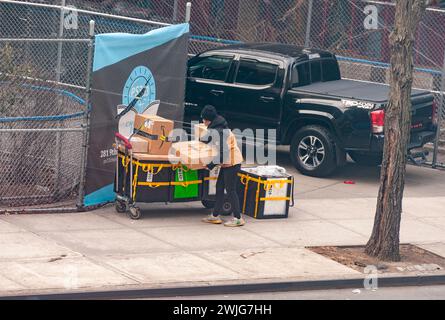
(230,159)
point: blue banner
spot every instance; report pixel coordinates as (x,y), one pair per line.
(142,71)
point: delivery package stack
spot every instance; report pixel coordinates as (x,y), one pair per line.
(162,171)
(148,177)
(265,192)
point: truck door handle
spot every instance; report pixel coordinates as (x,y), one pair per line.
(267,99)
(216,92)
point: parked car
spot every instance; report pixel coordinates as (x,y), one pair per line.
(300,93)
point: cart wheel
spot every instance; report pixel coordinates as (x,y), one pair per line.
(134,213)
(227,208)
(120,207)
(208,204)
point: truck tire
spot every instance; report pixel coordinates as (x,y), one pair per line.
(313,151)
(366,159)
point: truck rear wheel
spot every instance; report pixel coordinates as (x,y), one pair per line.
(366,159)
(313,151)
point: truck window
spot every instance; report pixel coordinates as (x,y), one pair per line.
(300,75)
(210,68)
(331,71)
(315,71)
(256,73)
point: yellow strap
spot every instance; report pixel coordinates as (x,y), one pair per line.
(276,199)
(147,167)
(159,169)
(180,166)
(245,195)
(241,175)
(154,165)
(278,185)
(164,184)
(144,165)
(186,183)
(210,179)
(249,178)
(135,183)
(125,163)
(257,201)
(154,184)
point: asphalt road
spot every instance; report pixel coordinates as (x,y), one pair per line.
(400,293)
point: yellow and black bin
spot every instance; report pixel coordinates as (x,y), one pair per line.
(147,180)
(265,197)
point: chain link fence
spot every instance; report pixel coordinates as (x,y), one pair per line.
(44,81)
(42,116)
(44,92)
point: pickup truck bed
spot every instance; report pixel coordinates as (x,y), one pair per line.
(355,90)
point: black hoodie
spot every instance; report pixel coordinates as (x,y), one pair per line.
(218,127)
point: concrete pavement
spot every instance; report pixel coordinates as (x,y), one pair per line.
(169,246)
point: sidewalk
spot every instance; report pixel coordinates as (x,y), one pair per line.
(169,246)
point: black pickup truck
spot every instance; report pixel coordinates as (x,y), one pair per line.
(299,93)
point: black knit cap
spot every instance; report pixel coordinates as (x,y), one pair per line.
(209,113)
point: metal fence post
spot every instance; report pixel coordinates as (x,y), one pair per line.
(60,45)
(307,40)
(175,11)
(58,78)
(188,12)
(440,114)
(86,124)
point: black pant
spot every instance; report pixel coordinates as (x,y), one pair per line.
(227,181)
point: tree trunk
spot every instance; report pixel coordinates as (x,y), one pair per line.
(385,238)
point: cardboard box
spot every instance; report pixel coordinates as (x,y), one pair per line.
(139,144)
(156,157)
(200,130)
(194,154)
(156,129)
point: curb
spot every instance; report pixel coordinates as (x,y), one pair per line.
(408,281)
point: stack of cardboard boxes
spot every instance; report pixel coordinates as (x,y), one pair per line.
(163,171)
(152,138)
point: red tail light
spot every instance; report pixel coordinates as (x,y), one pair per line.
(378,121)
(435,115)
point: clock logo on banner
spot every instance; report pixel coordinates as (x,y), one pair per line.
(140,85)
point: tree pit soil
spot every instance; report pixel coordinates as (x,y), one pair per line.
(414,260)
